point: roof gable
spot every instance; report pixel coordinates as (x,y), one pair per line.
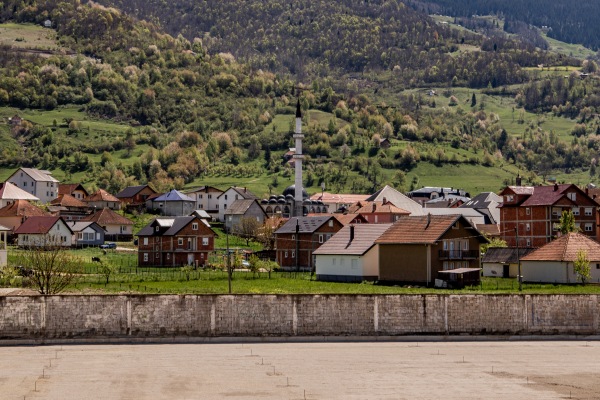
(101,195)
(106,216)
(173,195)
(69,188)
(131,191)
(37,174)
(40,225)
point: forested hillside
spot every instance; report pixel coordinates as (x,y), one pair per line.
(311,39)
(571,22)
(116,101)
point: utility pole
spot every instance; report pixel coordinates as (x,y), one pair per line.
(297,245)
(228,261)
(519,261)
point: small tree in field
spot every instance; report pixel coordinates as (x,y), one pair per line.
(106,269)
(51,269)
(581,265)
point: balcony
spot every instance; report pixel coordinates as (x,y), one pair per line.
(458,254)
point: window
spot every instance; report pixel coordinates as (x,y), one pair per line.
(293,254)
(445,265)
(465,245)
(195,226)
(445,244)
(200,196)
(145,241)
(588,227)
(225,197)
(556,211)
(597,266)
(293,237)
(320,238)
(24,184)
(527,227)
(527,211)
(200,205)
(230,218)
(285,254)
(145,256)
(224,206)
(331,223)
(575,210)
(509,198)
(204,241)
(210,196)
(179,241)
(333,261)
(80,236)
(168,256)
(157,255)
(156,228)
(156,248)
(572,196)
(528,242)
(589,211)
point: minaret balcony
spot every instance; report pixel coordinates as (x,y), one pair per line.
(298,156)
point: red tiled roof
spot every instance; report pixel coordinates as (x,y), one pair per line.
(565,248)
(426,229)
(106,216)
(101,195)
(37,225)
(21,208)
(66,200)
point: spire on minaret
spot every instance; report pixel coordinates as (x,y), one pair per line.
(298,111)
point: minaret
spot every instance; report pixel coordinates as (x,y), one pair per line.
(298,157)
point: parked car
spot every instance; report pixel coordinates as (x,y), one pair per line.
(109,245)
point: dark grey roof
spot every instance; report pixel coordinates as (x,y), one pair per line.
(78,226)
(505,255)
(307,224)
(173,195)
(130,191)
(365,236)
(240,207)
(174,225)
(245,193)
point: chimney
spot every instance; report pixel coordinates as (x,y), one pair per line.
(428,220)
(351,233)
(374,207)
(384,201)
(556,187)
(518,180)
(244,189)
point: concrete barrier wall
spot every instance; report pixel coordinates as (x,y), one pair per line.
(33,317)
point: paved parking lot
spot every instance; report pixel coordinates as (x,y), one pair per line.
(365,370)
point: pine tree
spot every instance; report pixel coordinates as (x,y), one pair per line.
(473,100)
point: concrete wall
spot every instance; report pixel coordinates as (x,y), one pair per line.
(123,316)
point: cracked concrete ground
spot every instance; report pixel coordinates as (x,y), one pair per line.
(343,370)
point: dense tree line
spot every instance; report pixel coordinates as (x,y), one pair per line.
(323,38)
(569,22)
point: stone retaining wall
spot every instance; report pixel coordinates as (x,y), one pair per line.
(122,316)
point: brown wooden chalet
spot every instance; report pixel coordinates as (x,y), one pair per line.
(175,241)
(533,212)
(416,248)
(299,237)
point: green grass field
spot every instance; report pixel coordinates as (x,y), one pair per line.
(28,36)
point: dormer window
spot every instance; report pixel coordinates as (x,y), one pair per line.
(156,228)
(509,198)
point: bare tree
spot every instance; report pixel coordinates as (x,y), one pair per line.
(49,267)
(247,228)
(266,233)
